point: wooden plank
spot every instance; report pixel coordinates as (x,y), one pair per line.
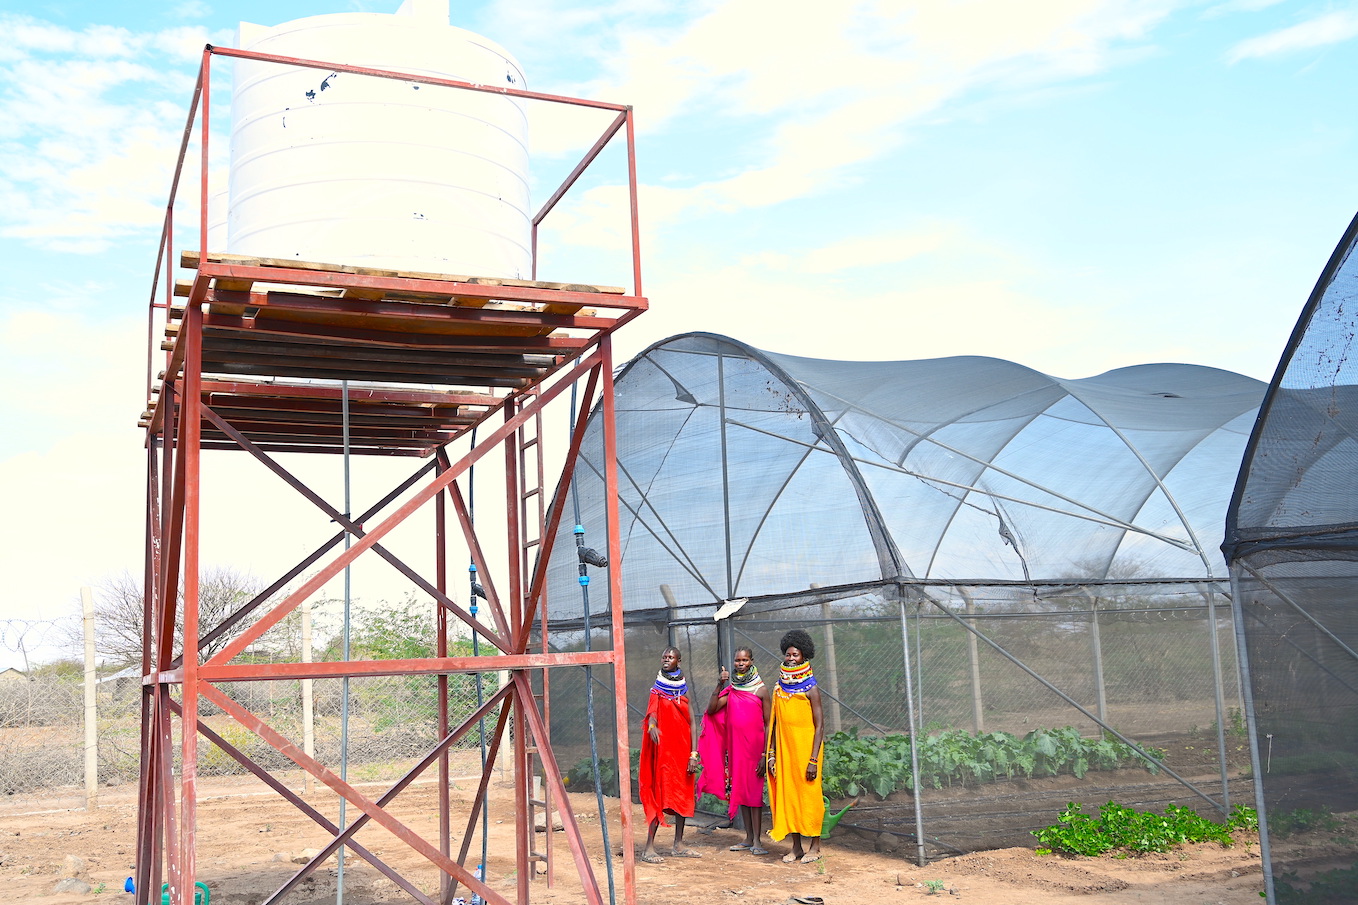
(406,317)
(553,344)
(189,259)
(312,391)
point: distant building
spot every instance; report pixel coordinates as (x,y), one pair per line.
(12,675)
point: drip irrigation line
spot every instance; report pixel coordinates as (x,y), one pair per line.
(589,673)
(472,586)
(928,840)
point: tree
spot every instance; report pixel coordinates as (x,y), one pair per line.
(403,631)
(118,608)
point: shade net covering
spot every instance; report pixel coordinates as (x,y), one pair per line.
(974,546)
(1292,544)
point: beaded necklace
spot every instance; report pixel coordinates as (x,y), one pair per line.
(671,685)
(796,679)
(747,681)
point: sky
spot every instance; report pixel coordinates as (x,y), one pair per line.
(1074,185)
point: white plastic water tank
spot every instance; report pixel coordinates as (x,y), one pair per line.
(350,169)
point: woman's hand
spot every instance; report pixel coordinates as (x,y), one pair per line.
(811,769)
(654,733)
(723,678)
(771,764)
(693,762)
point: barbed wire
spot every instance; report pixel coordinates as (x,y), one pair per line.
(27,637)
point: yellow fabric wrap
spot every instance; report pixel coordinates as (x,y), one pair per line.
(798,806)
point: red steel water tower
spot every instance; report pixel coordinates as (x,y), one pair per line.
(396,333)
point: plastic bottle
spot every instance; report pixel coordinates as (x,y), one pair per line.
(480,874)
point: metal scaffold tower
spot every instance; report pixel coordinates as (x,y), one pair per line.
(266,357)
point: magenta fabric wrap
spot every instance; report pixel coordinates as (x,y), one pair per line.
(730,747)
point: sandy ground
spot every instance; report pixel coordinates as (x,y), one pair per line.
(248,838)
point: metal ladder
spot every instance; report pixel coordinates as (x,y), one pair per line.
(532,518)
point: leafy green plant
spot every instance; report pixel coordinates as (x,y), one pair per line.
(935,886)
(1331,887)
(1288,823)
(855,765)
(1243,818)
(711,804)
(1119,828)
(1235,724)
(580,778)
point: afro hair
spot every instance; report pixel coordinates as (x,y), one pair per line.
(800,640)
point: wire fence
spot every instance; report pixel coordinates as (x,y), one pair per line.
(392,722)
(1019,700)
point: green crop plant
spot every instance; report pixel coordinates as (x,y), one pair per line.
(1282,824)
(1119,828)
(1331,887)
(855,765)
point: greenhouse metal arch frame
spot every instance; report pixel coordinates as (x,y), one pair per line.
(705,509)
(1292,544)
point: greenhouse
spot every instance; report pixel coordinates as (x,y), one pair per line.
(1292,545)
(1014,581)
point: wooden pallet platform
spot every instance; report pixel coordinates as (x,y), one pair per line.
(427,355)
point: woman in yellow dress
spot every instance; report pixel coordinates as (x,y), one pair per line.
(793,751)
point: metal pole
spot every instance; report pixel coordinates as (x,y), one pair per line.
(91,717)
(725,476)
(921,857)
(1247,689)
(344,683)
(589,677)
(615,606)
(1220,700)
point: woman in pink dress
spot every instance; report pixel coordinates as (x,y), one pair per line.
(732,746)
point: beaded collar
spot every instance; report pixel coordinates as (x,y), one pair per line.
(796,680)
(747,681)
(671,685)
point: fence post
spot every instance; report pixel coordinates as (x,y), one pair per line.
(91,717)
(308,700)
(833,723)
(1096,643)
(671,605)
(974,658)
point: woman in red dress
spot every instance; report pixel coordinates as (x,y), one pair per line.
(669,758)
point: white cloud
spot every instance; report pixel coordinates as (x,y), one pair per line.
(860,252)
(1238,6)
(815,96)
(1331,28)
(191,9)
(90,120)
(862,319)
(102,360)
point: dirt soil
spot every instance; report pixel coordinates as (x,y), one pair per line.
(248,839)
